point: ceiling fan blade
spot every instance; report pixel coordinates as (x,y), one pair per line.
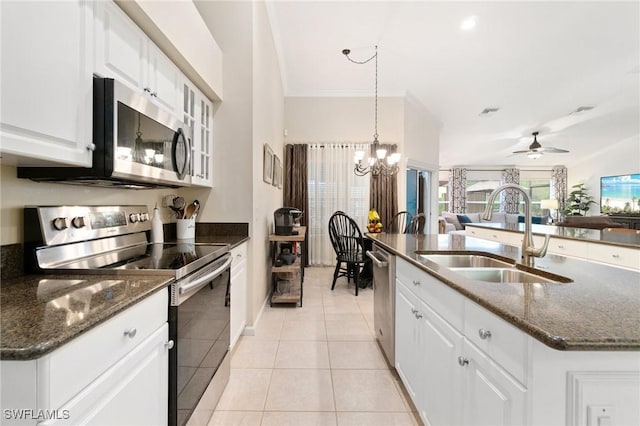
(554,150)
(523,151)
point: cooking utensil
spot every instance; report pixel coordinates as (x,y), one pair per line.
(189,211)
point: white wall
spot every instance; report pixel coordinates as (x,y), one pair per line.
(421,148)
(251,115)
(230,200)
(343,119)
(17,193)
(268,122)
(619,159)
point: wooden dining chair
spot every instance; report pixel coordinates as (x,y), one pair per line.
(416,226)
(400,222)
(347,241)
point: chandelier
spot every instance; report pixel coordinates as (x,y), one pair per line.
(379,161)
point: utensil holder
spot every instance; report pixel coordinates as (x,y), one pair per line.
(186,229)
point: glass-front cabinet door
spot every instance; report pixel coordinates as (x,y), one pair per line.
(198,116)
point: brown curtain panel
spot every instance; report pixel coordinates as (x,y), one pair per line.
(383,195)
(295,184)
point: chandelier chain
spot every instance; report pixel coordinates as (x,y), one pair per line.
(378,163)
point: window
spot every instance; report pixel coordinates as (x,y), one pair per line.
(333,186)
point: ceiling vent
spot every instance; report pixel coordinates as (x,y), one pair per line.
(489,111)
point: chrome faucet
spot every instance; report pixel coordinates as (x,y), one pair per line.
(528,250)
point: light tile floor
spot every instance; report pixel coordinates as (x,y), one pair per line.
(316,365)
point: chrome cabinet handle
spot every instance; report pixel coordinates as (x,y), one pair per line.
(418,315)
(146,89)
(463,361)
(414,311)
(484,334)
(416,282)
(169,344)
(560,247)
(154,94)
(130,333)
(615,256)
(91,147)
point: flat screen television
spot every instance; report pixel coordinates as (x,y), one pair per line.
(620,194)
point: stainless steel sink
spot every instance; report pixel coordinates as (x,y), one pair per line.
(464,260)
(506,275)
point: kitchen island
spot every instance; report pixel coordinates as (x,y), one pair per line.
(618,247)
(563,352)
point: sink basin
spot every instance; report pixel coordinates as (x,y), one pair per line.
(506,275)
(465,260)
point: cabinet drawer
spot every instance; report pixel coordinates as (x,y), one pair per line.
(505,344)
(568,248)
(68,369)
(614,255)
(447,302)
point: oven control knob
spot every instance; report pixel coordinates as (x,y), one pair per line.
(134,217)
(60,223)
(78,222)
(144,217)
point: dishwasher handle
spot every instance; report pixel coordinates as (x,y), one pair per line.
(379,263)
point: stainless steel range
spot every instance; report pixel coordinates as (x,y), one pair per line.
(113,240)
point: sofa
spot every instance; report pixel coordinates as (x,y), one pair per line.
(455,222)
(590,222)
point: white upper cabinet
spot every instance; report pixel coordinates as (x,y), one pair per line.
(46,82)
(125,53)
(197,114)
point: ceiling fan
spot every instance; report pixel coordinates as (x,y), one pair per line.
(536,150)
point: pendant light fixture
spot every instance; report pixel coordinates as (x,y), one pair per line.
(379,161)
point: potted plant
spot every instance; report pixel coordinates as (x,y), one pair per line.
(578,201)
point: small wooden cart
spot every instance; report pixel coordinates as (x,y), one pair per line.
(287,280)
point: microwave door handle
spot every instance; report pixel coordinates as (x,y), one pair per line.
(206,278)
(180,137)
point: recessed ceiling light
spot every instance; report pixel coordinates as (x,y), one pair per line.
(469,23)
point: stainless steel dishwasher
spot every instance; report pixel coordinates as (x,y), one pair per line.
(384,300)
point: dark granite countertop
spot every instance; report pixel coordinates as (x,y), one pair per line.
(569,233)
(39,313)
(35,312)
(598,310)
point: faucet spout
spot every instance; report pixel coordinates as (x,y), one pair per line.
(529,252)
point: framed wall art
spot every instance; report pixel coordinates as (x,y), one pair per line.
(277,172)
(267,164)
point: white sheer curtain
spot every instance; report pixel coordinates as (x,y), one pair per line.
(333,186)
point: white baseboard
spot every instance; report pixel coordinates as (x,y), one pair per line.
(250,330)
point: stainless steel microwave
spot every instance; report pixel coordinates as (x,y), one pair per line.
(136,144)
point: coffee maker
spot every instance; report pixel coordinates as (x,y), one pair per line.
(284,219)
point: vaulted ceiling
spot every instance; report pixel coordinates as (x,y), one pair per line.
(539,63)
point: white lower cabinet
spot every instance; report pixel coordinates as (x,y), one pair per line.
(409,344)
(443,378)
(239,282)
(463,365)
(490,395)
(114,374)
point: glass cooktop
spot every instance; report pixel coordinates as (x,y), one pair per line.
(157,259)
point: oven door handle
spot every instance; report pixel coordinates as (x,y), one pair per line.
(206,278)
